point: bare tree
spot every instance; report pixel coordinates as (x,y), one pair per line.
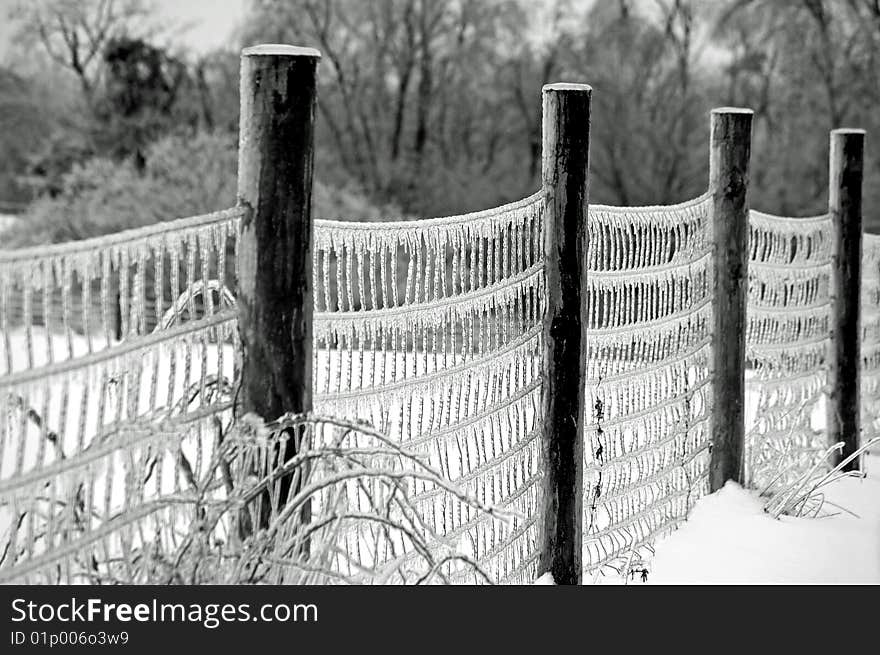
(73,33)
(404,98)
(649,109)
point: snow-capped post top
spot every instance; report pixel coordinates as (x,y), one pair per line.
(567,86)
(729,155)
(280,50)
(733,110)
(565,184)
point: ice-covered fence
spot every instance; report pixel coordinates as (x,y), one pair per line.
(870,336)
(649,375)
(443,356)
(788,337)
(431,331)
(811,312)
(79,485)
(97,291)
(454,353)
(70,387)
(74,476)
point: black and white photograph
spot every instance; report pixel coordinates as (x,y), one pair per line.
(334,293)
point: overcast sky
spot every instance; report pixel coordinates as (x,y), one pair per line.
(200,26)
(206,24)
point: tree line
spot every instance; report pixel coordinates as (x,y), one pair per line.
(432,107)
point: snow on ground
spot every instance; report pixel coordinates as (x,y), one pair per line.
(730,540)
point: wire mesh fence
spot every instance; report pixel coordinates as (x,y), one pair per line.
(127,453)
(116,452)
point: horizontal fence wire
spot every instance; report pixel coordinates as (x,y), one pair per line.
(788,337)
(648,376)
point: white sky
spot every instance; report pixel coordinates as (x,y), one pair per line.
(200,25)
(206,24)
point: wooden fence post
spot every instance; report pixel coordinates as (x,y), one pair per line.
(275,163)
(846,164)
(565,177)
(730,149)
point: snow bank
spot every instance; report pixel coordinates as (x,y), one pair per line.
(730,540)
(546,579)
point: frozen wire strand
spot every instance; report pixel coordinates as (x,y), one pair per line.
(771,266)
(698,261)
(652,446)
(639,369)
(660,527)
(633,416)
(661,475)
(128,348)
(501,214)
(621,332)
(517,534)
(435,435)
(815,309)
(116,438)
(774,379)
(123,238)
(646,213)
(796,224)
(462,304)
(523,342)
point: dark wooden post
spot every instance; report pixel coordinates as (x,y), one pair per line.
(276,140)
(278,92)
(565,177)
(846,163)
(730,149)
